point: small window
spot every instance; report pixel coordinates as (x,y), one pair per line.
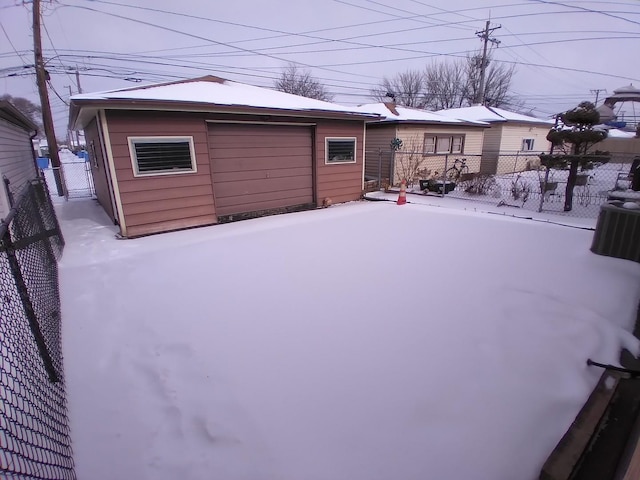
(527,144)
(341,150)
(429,144)
(162,155)
(456,144)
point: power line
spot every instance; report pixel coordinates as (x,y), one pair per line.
(11,43)
(584,9)
(44,25)
(321,40)
(410,13)
(173,30)
(56,92)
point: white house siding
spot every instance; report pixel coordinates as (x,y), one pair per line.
(512,158)
(412,137)
(16,160)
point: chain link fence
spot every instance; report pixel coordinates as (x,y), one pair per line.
(510,179)
(34,430)
(76,179)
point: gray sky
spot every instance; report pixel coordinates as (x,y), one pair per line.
(563,49)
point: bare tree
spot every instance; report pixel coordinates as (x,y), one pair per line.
(446,85)
(409,161)
(27,107)
(406,88)
(450,84)
(497,82)
(300,82)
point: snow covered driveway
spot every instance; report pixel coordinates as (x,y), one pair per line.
(365,341)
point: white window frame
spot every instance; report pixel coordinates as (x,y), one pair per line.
(523,144)
(432,145)
(340,162)
(461,137)
(161,138)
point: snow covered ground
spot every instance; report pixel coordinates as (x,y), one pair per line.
(364,341)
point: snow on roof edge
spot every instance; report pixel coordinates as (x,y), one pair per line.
(220,92)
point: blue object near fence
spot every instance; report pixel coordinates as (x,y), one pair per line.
(43,162)
(84,155)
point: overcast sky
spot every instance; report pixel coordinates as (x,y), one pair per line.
(563,50)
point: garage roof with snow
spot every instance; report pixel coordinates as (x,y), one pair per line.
(207,93)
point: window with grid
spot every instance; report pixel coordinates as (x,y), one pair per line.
(341,150)
(162,155)
(429,144)
(442,144)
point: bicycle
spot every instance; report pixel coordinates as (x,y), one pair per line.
(458,169)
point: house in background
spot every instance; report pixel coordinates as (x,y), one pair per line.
(623,146)
(202,151)
(17,160)
(513,141)
(428,139)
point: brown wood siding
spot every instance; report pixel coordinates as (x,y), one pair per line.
(378,150)
(164,202)
(259,167)
(98,167)
(342,182)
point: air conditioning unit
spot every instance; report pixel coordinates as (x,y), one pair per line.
(617,232)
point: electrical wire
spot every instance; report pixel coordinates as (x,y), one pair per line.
(56,92)
(46,31)
(11,43)
(589,10)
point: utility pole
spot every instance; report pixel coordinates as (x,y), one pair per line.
(47,118)
(597,93)
(485,35)
(78,80)
(70,133)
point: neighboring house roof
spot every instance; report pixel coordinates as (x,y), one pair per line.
(15,116)
(209,94)
(394,113)
(480,113)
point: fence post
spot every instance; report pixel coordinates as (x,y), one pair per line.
(515,164)
(379,169)
(21,287)
(392,166)
(7,183)
(444,176)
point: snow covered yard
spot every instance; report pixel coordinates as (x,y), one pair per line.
(365,341)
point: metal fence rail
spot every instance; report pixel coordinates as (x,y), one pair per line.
(510,179)
(34,431)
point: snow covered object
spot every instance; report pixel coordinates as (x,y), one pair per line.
(574,135)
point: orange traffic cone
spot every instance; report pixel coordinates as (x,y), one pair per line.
(402,198)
